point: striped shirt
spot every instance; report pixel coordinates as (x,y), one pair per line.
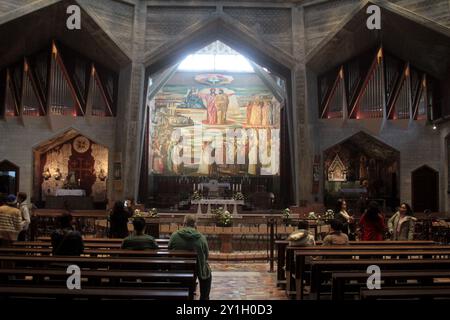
(10,222)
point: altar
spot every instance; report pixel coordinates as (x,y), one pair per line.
(70,192)
(222,202)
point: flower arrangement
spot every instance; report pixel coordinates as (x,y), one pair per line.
(223,217)
(286,213)
(196,195)
(328,215)
(238,196)
(153,213)
(312,216)
(287,216)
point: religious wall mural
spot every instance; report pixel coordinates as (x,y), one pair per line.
(214,124)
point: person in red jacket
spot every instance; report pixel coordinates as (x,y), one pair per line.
(372,223)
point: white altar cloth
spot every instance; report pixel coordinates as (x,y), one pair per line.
(70,192)
(223,202)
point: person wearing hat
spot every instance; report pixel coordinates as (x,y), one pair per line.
(302,237)
(10,220)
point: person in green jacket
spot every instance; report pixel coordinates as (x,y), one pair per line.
(188,238)
(139,240)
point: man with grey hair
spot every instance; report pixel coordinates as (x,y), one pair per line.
(188,238)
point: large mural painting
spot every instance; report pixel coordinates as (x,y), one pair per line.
(214,124)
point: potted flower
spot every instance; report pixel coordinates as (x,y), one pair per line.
(328,216)
(223,217)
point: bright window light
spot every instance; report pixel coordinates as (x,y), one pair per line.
(215,62)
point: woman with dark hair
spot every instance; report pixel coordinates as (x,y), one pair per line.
(343,217)
(372,223)
(402,223)
(119,221)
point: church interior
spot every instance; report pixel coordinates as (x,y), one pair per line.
(223,150)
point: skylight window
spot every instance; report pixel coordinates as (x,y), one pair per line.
(216,57)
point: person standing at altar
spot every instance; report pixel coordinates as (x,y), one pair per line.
(119,221)
(189,238)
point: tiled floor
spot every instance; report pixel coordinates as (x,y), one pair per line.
(243,281)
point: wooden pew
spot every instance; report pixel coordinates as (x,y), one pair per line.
(339,279)
(96,244)
(354,245)
(281,246)
(320,267)
(300,258)
(148,263)
(9,293)
(102,252)
(406,293)
(96,278)
(101,240)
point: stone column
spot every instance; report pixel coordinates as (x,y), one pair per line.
(302,139)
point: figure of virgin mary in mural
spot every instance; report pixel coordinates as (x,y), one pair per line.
(211,107)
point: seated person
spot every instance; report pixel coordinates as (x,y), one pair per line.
(336,237)
(188,238)
(66,241)
(302,237)
(139,240)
